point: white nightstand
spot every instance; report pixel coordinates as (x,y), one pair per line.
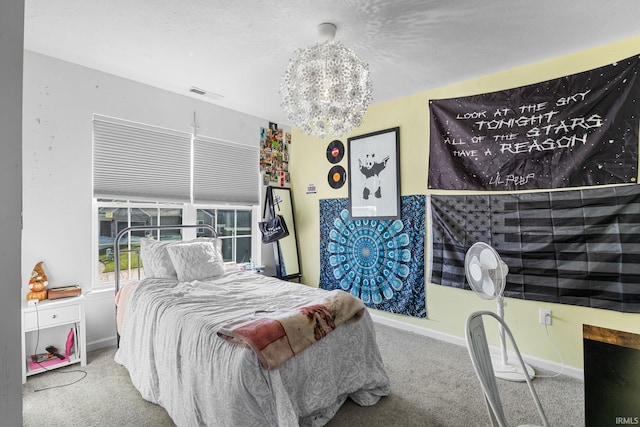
(49,323)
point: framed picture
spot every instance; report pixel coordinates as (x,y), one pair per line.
(374,175)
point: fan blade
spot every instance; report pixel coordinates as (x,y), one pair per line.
(475,271)
(488,258)
(488,287)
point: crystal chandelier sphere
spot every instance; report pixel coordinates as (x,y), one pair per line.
(326,89)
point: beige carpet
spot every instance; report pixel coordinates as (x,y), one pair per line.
(432,384)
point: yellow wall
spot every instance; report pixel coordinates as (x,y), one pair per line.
(448,308)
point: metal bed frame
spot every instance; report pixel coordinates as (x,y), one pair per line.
(116,249)
(116,242)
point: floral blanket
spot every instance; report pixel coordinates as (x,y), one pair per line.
(278,336)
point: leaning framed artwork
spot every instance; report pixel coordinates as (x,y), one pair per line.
(374,175)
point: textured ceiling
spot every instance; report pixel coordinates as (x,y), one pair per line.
(240,49)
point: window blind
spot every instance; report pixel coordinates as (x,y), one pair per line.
(138,161)
(225,171)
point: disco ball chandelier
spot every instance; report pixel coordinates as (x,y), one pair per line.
(326,89)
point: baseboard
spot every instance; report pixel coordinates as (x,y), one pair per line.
(548,365)
(106,342)
(420,330)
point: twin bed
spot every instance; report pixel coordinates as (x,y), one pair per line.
(217,347)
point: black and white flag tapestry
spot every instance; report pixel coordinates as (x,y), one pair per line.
(577,130)
(577,247)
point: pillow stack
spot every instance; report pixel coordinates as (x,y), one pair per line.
(197,259)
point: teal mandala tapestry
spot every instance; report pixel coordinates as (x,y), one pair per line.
(379,261)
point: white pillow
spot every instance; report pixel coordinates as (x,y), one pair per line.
(196,260)
(155,258)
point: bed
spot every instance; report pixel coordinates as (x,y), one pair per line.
(221,347)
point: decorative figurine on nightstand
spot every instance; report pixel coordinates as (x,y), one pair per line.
(38,284)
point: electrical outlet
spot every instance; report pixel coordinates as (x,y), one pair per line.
(545,316)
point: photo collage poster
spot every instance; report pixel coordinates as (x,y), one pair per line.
(275,147)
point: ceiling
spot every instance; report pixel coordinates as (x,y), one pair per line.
(239,49)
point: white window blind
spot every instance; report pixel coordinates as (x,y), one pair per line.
(138,161)
(225,171)
(142,162)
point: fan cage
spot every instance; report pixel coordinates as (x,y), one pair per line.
(497,275)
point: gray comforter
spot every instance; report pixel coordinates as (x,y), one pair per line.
(175,358)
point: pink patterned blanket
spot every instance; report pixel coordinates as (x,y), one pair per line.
(278,336)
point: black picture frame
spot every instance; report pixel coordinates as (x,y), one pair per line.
(374,175)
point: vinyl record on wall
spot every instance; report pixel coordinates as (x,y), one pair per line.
(337,176)
(335,151)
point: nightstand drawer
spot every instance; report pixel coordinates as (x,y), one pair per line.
(46,317)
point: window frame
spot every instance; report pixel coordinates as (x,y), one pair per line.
(189,216)
(234,235)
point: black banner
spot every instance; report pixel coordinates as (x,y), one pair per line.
(578,130)
(576,247)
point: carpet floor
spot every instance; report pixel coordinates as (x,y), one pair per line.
(432,384)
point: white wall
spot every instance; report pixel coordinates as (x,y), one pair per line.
(59,100)
(11,42)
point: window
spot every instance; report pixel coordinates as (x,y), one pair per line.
(175,178)
(114,216)
(234,229)
(233,225)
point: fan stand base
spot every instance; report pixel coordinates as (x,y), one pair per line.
(510,371)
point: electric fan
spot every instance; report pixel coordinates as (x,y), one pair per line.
(487,276)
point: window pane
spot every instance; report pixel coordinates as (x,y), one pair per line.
(244,224)
(226,222)
(112,221)
(227,250)
(243,249)
(130,244)
(206,216)
(140,217)
(107,232)
(170,217)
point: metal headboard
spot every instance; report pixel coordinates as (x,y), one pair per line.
(116,242)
